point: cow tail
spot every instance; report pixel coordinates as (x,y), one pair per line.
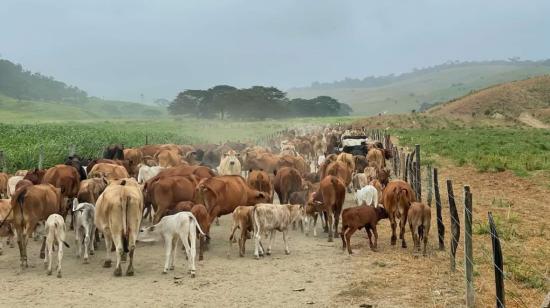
(20,199)
(194,219)
(125,225)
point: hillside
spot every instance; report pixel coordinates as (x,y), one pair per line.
(405,92)
(527,101)
(14,110)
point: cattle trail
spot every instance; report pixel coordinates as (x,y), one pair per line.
(390,277)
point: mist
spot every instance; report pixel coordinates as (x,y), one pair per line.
(122,49)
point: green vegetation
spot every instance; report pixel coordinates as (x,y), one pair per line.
(422,87)
(13,110)
(254,103)
(520,150)
(21,143)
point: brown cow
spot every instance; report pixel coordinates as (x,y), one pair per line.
(341,170)
(361,163)
(91,189)
(32,204)
(201,214)
(118,217)
(261,161)
(260,180)
(110,171)
(296,162)
(151,149)
(348,160)
(169,158)
(324,165)
(165,192)
(397,198)
(200,172)
(375,157)
(4,185)
(6,229)
(329,198)
(65,178)
(123,163)
(358,217)
(35,176)
(287,180)
(223,194)
(134,157)
(420,216)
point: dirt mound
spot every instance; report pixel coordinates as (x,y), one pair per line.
(530,97)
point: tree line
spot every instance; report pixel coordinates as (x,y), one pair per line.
(25,85)
(257,102)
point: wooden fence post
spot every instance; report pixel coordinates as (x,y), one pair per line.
(468,249)
(430,186)
(497,262)
(440,225)
(406,175)
(418,180)
(41,158)
(455,224)
(413,178)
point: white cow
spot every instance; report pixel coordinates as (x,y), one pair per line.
(269,217)
(147,172)
(84,228)
(182,225)
(367,195)
(230,164)
(55,234)
(12,182)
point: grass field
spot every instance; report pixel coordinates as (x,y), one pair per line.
(523,151)
(13,110)
(437,86)
(21,143)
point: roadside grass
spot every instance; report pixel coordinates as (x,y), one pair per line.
(524,151)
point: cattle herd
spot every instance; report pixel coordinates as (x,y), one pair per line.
(176,192)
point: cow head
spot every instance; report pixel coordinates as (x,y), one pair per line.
(231,157)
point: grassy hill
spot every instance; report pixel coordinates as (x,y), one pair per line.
(12,110)
(403,93)
(527,101)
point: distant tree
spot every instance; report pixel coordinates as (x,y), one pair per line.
(162,102)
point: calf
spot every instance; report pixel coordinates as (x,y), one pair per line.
(6,229)
(146,172)
(242,219)
(270,217)
(182,225)
(367,195)
(359,217)
(419,217)
(359,180)
(201,214)
(84,228)
(397,198)
(329,198)
(55,234)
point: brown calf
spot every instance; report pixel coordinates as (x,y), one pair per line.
(420,216)
(359,217)
(242,219)
(397,198)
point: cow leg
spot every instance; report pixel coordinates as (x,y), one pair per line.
(78,242)
(271,237)
(173,254)
(285,239)
(393,225)
(42,252)
(344,230)
(349,233)
(402,224)
(130,268)
(50,256)
(94,239)
(167,253)
(336,221)
(108,245)
(201,247)
(375,231)
(324,220)
(19,232)
(426,231)
(86,245)
(330,226)
(59,257)
(242,241)
(184,236)
(257,238)
(193,249)
(369,234)
(117,240)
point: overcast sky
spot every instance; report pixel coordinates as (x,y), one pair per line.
(121,48)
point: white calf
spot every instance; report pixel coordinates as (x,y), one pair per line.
(269,217)
(84,228)
(146,172)
(55,234)
(182,225)
(12,182)
(367,195)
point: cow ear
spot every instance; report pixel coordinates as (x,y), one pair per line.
(261,195)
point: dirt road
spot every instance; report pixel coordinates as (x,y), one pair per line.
(316,273)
